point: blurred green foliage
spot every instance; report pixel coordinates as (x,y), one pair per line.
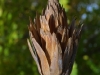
(15,58)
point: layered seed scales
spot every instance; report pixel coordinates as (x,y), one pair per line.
(53,42)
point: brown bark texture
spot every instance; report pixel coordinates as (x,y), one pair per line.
(53,43)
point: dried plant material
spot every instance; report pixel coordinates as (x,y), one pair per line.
(34,56)
(53,43)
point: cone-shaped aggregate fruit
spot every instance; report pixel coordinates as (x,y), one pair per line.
(53,43)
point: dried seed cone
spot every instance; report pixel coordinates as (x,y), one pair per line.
(53,43)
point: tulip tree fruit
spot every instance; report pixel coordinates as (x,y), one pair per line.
(53,43)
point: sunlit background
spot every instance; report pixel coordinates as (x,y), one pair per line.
(15,58)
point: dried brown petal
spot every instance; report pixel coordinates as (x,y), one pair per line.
(43,60)
(34,56)
(55,65)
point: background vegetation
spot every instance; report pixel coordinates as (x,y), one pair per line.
(15,58)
